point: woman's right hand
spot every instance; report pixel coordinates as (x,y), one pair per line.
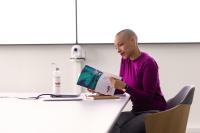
(117,84)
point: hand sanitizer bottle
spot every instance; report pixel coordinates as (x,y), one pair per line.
(56,81)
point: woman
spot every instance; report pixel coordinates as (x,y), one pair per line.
(140,79)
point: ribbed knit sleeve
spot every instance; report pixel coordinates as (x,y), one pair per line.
(150,80)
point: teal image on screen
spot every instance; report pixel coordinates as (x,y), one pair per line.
(89,77)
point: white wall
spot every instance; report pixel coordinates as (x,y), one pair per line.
(27,68)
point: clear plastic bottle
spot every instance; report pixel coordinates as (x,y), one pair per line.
(56,81)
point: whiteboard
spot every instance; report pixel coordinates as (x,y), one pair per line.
(37,21)
(54,21)
(153,21)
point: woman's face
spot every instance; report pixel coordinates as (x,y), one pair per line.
(123,46)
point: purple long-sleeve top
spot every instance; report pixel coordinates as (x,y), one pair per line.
(142,77)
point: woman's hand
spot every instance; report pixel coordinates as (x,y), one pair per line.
(92,91)
(117,84)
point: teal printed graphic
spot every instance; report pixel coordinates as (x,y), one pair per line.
(89,77)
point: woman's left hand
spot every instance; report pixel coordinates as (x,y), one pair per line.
(117,84)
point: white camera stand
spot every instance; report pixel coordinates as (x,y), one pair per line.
(77,59)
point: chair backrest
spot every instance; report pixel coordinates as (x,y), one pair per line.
(174,118)
(185,96)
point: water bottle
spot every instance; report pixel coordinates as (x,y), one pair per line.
(56,81)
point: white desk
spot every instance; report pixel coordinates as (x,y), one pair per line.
(36,116)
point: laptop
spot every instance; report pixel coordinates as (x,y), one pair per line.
(62,97)
(65,96)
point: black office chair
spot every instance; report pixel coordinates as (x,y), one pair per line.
(174,119)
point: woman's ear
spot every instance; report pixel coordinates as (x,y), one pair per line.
(133,39)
